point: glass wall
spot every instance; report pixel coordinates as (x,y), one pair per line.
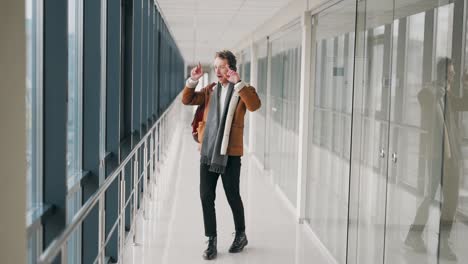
(65,135)
(426,132)
(245,72)
(284,109)
(245,76)
(330,127)
(388,141)
(370,114)
(409,133)
(31,100)
(33,121)
(75,55)
(260,114)
(74,122)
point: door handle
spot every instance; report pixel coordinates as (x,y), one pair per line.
(382,153)
(394,157)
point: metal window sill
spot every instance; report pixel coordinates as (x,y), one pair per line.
(35,216)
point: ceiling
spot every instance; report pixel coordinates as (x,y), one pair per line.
(202,27)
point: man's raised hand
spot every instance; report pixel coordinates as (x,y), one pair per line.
(232,76)
(196,72)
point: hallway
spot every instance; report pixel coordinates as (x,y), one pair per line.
(173,230)
(352,115)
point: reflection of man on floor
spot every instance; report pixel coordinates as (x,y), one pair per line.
(440,109)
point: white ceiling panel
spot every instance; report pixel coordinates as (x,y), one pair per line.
(202,27)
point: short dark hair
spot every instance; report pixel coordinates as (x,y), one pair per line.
(229,56)
(442,66)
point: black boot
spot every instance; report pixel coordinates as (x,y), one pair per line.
(446,252)
(240,241)
(415,242)
(211,251)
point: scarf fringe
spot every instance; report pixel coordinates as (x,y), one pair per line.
(216,168)
(205,160)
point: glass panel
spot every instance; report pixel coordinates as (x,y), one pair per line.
(406,135)
(245,76)
(74,90)
(260,114)
(284,110)
(246,65)
(330,129)
(74,242)
(74,123)
(426,222)
(33,248)
(444,26)
(370,133)
(33,121)
(32,99)
(410,142)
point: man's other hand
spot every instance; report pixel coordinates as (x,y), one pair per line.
(196,72)
(232,76)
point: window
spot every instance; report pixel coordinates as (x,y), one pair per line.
(34,125)
(74,120)
(32,104)
(74,90)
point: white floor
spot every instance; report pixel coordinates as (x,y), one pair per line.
(172,232)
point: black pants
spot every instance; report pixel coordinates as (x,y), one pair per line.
(208,181)
(450,190)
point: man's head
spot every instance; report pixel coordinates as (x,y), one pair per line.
(445,71)
(224,60)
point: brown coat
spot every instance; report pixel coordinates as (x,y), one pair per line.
(248,100)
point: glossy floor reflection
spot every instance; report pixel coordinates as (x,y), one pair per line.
(172,232)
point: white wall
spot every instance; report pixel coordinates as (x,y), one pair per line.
(12,132)
(293,10)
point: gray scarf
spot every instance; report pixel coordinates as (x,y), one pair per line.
(214,130)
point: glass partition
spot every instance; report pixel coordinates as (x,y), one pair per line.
(330,127)
(409,133)
(284,109)
(245,76)
(33,122)
(260,115)
(74,123)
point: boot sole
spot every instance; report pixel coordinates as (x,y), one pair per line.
(211,257)
(240,249)
(414,248)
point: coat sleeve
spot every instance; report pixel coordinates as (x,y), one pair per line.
(192,97)
(250,97)
(461,103)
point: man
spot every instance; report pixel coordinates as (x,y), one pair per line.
(440,109)
(221,137)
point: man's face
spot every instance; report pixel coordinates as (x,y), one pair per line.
(221,67)
(450,73)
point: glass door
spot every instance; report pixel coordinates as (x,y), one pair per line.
(425,222)
(408,164)
(408,139)
(373,71)
(330,109)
